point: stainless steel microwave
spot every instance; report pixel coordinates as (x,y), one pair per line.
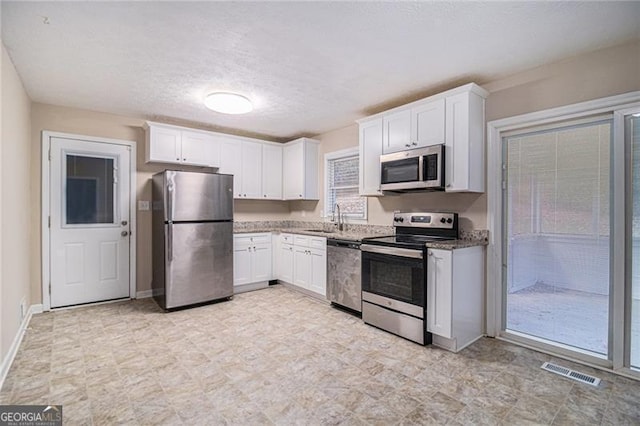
(413,170)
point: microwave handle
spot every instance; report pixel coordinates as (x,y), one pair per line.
(421,168)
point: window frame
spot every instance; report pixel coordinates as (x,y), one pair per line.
(618,105)
(338,155)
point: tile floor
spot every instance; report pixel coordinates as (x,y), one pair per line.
(275,356)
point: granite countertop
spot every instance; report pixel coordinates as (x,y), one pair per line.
(458,244)
(358,233)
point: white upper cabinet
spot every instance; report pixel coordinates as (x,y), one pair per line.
(300,169)
(243,159)
(419,126)
(396,134)
(454,118)
(427,124)
(231,163)
(169,144)
(164,144)
(464,143)
(271,172)
(251,170)
(370,151)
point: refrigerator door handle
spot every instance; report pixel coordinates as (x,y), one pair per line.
(170,195)
(170,241)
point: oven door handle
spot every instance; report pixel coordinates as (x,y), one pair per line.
(393,251)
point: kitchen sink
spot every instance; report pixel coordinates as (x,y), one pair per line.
(319,230)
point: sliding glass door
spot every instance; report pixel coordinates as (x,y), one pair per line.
(557,202)
(633,139)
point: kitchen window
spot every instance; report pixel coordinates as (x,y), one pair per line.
(341,185)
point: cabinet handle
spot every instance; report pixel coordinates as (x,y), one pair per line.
(177,159)
(265,195)
(407,145)
(414,143)
(429,253)
(300,195)
(184,159)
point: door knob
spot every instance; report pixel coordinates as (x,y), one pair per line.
(124,233)
(124,223)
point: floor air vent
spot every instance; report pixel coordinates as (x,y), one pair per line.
(572,374)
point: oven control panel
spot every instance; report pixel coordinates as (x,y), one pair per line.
(425,220)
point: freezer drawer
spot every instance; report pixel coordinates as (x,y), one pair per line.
(198,262)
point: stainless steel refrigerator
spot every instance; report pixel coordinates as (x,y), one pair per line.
(192,238)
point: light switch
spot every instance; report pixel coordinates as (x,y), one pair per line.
(143,205)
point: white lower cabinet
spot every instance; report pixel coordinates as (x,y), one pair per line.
(455,299)
(252,261)
(303,262)
(285,263)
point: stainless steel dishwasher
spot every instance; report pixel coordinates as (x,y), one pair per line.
(344,261)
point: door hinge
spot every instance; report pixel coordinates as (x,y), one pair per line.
(49,221)
(49,290)
(49,154)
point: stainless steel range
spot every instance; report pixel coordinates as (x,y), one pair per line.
(394,271)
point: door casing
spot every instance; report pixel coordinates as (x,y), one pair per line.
(45,207)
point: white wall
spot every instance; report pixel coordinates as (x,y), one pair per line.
(15,204)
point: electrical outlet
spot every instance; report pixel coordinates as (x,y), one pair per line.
(143,205)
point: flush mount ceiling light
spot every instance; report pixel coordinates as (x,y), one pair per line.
(228,103)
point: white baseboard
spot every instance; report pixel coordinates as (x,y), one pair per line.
(250,287)
(13,349)
(144,294)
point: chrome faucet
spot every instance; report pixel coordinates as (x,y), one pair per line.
(340,218)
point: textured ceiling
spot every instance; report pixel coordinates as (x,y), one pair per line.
(309,67)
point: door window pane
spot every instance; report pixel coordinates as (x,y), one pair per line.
(557,230)
(635,242)
(89,190)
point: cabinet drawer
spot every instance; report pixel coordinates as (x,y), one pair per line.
(302,240)
(286,238)
(309,241)
(252,238)
(318,242)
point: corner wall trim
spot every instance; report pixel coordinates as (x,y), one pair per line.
(13,349)
(144,294)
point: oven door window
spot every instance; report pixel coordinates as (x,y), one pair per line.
(395,277)
(405,170)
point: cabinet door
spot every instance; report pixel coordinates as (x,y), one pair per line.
(427,124)
(456,143)
(370,151)
(261,262)
(271,172)
(196,149)
(318,282)
(439,292)
(251,170)
(396,134)
(293,171)
(241,263)
(301,267)
(286,263)
(165,144)
(231,163)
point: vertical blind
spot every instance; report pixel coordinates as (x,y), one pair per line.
(342,187)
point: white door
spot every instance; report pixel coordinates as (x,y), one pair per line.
(439,292)
(231,163)
(293,171)
(272,172)
(89,210)
(318,281)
